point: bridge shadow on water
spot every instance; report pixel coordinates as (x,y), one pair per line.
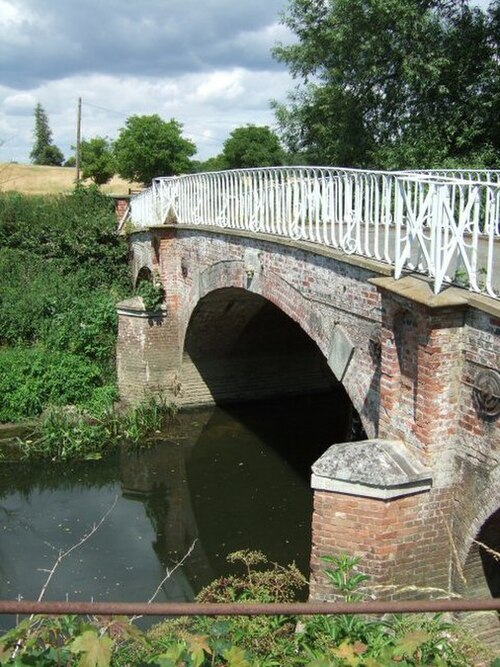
(279,408)
(249,475)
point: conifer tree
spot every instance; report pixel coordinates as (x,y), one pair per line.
(44,151)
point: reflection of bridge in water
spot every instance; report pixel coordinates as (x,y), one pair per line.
(232,479)
(157,476)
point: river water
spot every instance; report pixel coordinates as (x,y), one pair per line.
(221,479)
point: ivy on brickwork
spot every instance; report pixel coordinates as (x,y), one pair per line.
(152,293)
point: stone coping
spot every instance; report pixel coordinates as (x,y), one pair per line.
(134,307)
(419,290)
(376,468)
(323,251)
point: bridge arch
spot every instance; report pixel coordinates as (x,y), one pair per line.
(479,575)
(240,346)
(487,504)
(315,323)
(145,274)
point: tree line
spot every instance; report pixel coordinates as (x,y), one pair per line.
(388,84)
(148,146)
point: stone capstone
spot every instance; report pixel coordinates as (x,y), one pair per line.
(372,468)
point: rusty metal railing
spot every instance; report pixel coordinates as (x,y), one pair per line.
(246,609)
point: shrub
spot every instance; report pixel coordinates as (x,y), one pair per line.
(71,231)
(264,641)
(85,324)
(62,269)
(33,378)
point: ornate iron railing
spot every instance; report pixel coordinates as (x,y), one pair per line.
(443,224)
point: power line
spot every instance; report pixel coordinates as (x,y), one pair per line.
(96,106)
(214,140)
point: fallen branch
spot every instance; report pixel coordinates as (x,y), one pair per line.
(64,554)
(167,576)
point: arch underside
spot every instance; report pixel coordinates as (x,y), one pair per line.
(306,324)
(481,579)
(240,347)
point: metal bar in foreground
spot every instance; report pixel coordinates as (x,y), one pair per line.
(246,609)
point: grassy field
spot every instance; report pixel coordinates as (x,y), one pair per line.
(32,179)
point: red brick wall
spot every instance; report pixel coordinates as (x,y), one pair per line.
(419,391)
(400,542)
(147,355)
(317,292)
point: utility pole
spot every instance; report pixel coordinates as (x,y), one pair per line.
(78,139)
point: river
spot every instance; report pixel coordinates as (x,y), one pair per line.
(221,479)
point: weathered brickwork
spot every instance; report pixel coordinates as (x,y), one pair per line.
(314,291)
(420,385)
(400,542)
(147,353)
(122,203)
(478,438)
(408,365)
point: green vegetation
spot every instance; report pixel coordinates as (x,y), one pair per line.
(97,160)
(62,269)
(148,147)
(33,378)
(94,428)
(152,293)
(249,146)
(392,83)
(44,151)
(262,641)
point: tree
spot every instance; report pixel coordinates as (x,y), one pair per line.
(97,159)
(390,83)
(252,146)
(148,147)
(217,163)
(44,151)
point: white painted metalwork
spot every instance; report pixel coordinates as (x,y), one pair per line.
(444,224)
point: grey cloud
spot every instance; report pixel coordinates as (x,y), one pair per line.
(61,38)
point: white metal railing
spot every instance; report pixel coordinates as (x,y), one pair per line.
(444,224)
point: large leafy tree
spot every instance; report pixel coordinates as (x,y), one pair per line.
(44,151)
(97,160)
(391,83)
(148,147)
(252,146)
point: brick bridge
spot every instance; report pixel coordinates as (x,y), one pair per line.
(254,310)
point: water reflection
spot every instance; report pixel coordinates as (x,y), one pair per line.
(229,479)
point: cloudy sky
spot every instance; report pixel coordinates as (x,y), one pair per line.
(206,63)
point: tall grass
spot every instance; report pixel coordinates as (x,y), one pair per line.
(69,434)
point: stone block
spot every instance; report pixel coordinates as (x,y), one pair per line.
(341,351)
(371,468)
